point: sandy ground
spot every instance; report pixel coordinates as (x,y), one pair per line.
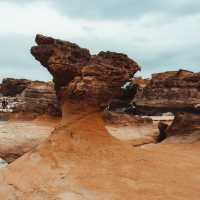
(81,163)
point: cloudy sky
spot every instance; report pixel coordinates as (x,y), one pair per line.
(159,35)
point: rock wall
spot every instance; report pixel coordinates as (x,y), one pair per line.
(170,91)
(177,92)
(185,123)
(40,97)
(36,97)
(12,87)
(78,75)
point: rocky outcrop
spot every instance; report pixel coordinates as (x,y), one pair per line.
(185,123)
(81,76)
(170,92)
(13,87)
(177,92)
(35,97)
(40,97)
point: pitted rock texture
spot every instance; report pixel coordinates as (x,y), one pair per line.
(80,76)
(12,87)
(171,91)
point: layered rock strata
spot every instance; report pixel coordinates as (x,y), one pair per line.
(177,92)
(41,98)
(35,97)
(170,92)
(13,87)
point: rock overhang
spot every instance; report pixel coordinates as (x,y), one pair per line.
(78,75)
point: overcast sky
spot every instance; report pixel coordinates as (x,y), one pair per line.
(159,35)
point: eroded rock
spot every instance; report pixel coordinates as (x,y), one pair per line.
(170,92)
(40,97)
(81,160)
(185,123)
(13,87)
(80,76)
(175,91)
(27,96)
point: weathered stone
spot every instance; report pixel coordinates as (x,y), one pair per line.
(78,75)
(30,96)
(12,87)
(40,97)
(185,123)
(171,92)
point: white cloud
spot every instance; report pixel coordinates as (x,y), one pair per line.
(151,39)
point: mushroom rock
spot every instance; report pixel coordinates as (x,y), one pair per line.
(80,76)
(83,83)
(80,160)
(79,155)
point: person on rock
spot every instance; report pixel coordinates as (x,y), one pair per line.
(4,104)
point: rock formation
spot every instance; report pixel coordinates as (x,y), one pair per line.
(185,123)
(80,76)
(177,92)
(170,92)
(81,160)
(12,87)
(40,97)
(133,129)
(27,96)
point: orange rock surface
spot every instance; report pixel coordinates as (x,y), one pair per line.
(81,160)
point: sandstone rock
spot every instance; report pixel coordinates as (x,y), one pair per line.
(17,138)
(36,97)
(170,92)
(40,97)
(81,160)
(132,129)
(185,123)
(12,87)
(175,91)
(124,119)
(78,75)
